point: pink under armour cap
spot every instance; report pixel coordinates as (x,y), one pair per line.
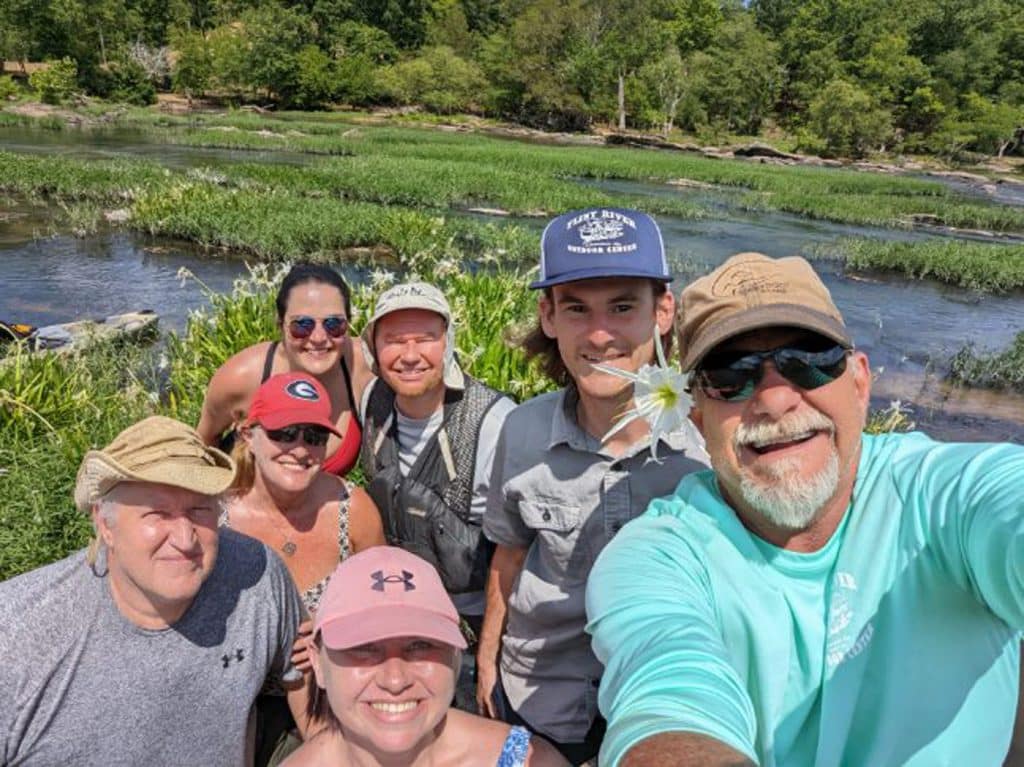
(382,593)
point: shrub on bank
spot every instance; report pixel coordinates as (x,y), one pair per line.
(56,81)
(8,88)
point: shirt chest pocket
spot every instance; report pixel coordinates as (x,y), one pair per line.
(557,526)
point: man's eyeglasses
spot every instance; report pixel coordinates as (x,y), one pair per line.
(314,436)
(733,378)
(302,327)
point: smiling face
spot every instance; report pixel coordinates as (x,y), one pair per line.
(285,467)
(389,696)
(611,321)
(319,352)
(410,345)
(161,544)
(786,455)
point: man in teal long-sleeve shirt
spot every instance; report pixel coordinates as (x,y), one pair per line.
(821,597)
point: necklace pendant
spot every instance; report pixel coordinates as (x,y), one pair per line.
(289,548)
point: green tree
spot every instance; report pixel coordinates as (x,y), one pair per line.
(316,78)
(447,25)
(227,47)
(849,120)
(669,79)
(543,64)
(193,65)
(438,79)
(744,76)
(632,32)
(996,127)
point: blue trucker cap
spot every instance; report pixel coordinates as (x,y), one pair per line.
(601,242)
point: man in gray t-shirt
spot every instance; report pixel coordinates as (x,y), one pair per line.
(564,483)
(150,647)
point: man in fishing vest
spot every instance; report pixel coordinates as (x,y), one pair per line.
(428,444)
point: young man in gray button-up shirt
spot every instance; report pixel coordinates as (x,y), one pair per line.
(559,493)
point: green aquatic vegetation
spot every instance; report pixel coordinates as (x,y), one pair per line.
(445,184)
(987,267)
(998,370)
(70,179)
(891,210)
(230,138)
(278,225)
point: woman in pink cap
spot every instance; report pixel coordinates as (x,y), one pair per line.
(282,497)
(385,652)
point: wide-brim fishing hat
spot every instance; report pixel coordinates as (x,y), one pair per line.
(159,450)
(415,295)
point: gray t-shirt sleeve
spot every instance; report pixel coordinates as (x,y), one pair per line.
(289,604)
(487,443)
(502,522)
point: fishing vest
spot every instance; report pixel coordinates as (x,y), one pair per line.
(427,512)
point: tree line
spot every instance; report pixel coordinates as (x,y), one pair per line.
(842,77)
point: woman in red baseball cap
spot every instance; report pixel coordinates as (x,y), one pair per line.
(313,312)
(282,497)
(386,651)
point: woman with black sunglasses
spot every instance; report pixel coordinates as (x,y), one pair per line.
(282,497)
(313,310)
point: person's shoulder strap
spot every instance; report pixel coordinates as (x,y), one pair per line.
(268,363)
(348,391)
(344,503)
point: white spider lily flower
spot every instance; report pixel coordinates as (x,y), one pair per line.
(659,394)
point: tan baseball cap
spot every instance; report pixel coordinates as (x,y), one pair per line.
(415,295)
(751,291)
(156,449)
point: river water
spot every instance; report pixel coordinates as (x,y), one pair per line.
(910,329)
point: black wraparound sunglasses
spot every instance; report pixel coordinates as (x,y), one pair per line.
(314,436)
(734,377)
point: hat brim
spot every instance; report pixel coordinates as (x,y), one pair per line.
(388,622)
(596,273)
(283,417)
(99,473)
(758,318)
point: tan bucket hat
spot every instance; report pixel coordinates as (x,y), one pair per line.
(156,449)
(751,291)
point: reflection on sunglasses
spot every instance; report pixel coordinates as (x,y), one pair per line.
(314,436)
(735,379)
(302,327)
